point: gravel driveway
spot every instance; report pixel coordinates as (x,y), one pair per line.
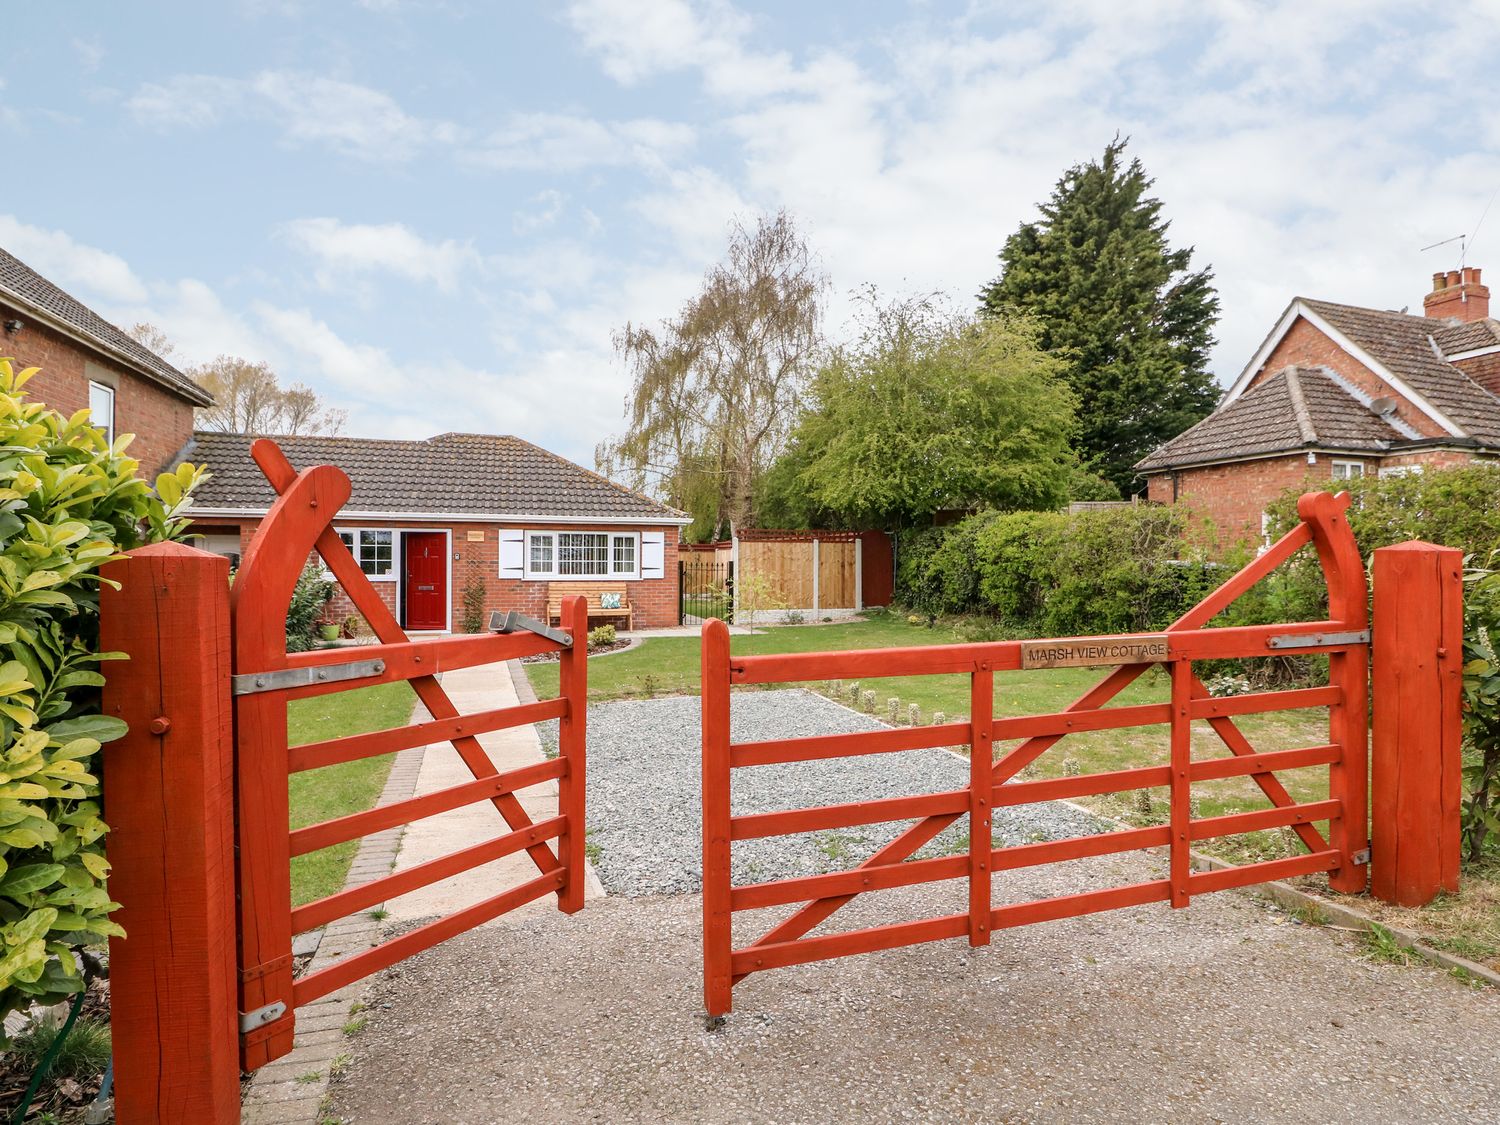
(643,792)
(1224,1012)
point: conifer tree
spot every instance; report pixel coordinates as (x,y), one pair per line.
(1132,321)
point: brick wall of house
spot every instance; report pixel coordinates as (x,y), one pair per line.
(1483,369)
(161,421)
(1304,344)
(1233,496)
(655,599)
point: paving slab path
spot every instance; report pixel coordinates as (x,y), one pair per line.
(482,688)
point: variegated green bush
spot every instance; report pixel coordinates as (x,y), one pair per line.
(69,502)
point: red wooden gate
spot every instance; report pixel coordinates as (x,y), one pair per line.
(1343,853)
(267,677)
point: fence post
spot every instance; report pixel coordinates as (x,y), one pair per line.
(573,682)
(1416,786)
(169,801)
(717,943)
(981,791)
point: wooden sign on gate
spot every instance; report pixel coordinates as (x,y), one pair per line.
(1078,652)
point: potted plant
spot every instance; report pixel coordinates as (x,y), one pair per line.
(329,630)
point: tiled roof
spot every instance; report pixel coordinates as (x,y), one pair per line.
(1405,346)
(22,284)
(1296,408)
(452,474)
(1468,337)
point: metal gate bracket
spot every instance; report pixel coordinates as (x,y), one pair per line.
(251,682)
(249,1021)
(1361,857)
(512,622)
(1318,640)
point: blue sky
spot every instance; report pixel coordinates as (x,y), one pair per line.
(436,213)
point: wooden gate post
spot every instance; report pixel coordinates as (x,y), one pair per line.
(169,788)
(1418,677)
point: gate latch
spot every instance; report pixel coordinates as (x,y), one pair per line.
(512,622)
(249,1021)
(1361,857)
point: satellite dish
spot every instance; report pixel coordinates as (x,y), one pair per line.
(1383,405)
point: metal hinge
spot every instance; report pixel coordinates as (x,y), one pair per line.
(250,1021)
(1361,857)
(1318,640)
(512,622)
(249,683)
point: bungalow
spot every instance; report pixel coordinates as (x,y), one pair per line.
(86,362)
(1338,392)
(461,524)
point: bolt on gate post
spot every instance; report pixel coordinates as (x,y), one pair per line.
(1417,777)
(170,805)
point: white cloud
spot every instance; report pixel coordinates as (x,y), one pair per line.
(557,142)
(85,270)
(349,118)
(359,248)
(1294,146)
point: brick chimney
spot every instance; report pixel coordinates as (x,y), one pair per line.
(1458,295)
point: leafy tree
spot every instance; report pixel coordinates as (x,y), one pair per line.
(717,387)
(249,399)
(1134,323)
(930,410)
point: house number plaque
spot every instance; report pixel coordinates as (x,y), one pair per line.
(1077,652)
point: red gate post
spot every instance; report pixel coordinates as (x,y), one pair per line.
(714,686)
(1417,784)
(981,788)
(572,741)
(170,805)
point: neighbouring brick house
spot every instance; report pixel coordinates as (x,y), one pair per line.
(429,520)
(86,362)
(1338,392)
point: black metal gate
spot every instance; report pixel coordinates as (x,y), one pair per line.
(705,588)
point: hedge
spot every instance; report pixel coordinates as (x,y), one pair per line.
(1113,570)
(69,502)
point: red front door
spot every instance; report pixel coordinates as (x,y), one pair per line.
(425,579)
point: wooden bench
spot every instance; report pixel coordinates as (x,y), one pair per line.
(557,591)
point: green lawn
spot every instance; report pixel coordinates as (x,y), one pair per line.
(669,665)
(334,791)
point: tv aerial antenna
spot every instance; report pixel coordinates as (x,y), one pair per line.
(1461,239)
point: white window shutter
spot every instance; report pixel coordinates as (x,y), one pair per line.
(512,553)
(653,553)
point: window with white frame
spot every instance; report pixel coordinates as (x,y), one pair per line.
(1348,470)
(102,409)
(1400,470)
(373,549)
(583,554)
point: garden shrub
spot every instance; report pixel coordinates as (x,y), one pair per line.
(69,502)
(474,595)
(313,591)
(1114,570)
(1481,768)
(1015,569)
(1458,507)
(601,636)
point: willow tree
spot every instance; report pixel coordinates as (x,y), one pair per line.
(716,389)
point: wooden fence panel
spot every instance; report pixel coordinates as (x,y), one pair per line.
(786,568)
(836,575)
